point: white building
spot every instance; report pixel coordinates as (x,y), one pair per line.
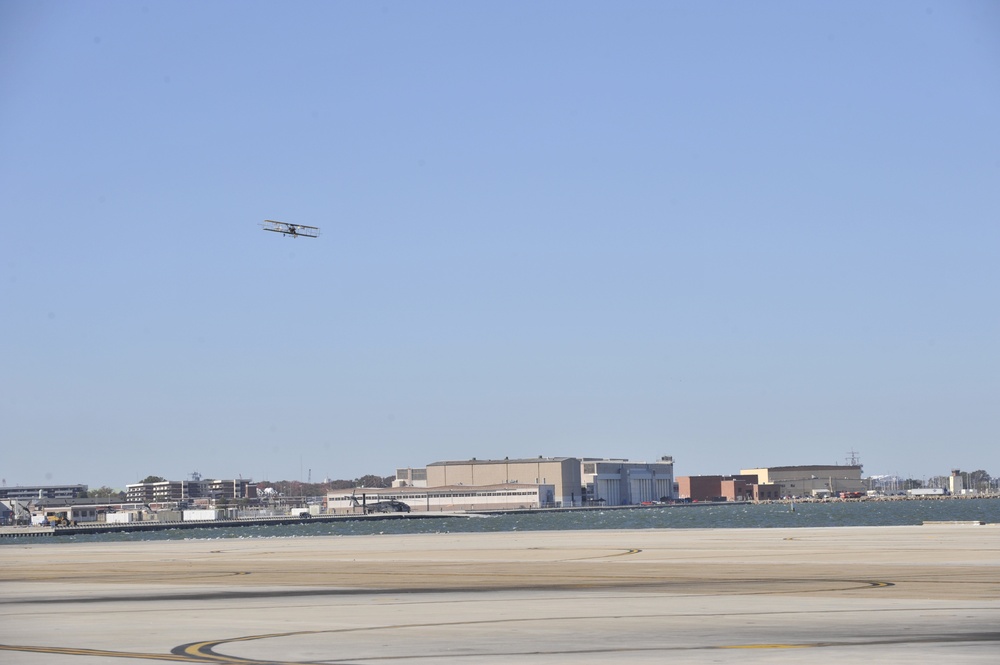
(410,477)
(31,492)
(507,496)
(955,482)
(175,491)
(619,482)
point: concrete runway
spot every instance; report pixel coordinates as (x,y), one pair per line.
(885,595)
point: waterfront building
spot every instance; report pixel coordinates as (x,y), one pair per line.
(563,473)
(67,513)
(31,492)
(725,488)
(619,482)
(503,496)
(177,491)
(75,511)
(955,482)
(577,481)
(699,488)
(410,477)
(810,480)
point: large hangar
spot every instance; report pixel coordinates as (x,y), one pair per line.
(810,480)
(514,496)
(619,482)
(563,473)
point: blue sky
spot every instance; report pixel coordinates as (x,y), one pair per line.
(740,234)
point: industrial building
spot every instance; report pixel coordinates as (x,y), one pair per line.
(68,512)
(725,488)
(577,482)
(619,482)
(699,488)
(811,481)
(563,473)
(410,477)
(504,496)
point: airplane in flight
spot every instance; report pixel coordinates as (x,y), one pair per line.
(293,230)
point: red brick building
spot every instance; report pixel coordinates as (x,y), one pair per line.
(699,488)
(725,488)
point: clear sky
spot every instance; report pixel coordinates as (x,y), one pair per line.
(741,234)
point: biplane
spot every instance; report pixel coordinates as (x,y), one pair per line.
(293,230)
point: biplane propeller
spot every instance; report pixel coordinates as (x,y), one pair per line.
(293,230)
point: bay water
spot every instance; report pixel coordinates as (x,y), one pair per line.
(676,516)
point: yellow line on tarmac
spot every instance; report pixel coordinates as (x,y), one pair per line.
(201,652)
(198,654)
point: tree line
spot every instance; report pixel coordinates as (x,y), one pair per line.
(971,480)
(978,480)
(298,488)
(285,487)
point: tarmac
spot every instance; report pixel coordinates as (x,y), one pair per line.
(881,594)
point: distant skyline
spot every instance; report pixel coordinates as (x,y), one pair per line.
(309,478)
(739,234)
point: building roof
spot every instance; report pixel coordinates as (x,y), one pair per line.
(810,467)
(526,460)
(42,487)
(370,491)
(98,502)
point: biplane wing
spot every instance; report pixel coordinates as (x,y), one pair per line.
(294,230)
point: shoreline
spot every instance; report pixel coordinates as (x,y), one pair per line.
(20,532)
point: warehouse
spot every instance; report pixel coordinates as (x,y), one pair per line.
(619,482)
(811,480)
(563,473)
(506,496)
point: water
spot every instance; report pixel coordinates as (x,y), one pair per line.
(693,516)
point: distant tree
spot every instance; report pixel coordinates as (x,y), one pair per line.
(152,479)
(300,489)
(297,488)
(104,492)
(977,480)
(374,481)
(937,481)
(912,484)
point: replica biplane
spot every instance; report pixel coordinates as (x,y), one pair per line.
(293,230)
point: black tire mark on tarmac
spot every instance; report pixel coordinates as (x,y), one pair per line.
(206,651)
(740,587)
